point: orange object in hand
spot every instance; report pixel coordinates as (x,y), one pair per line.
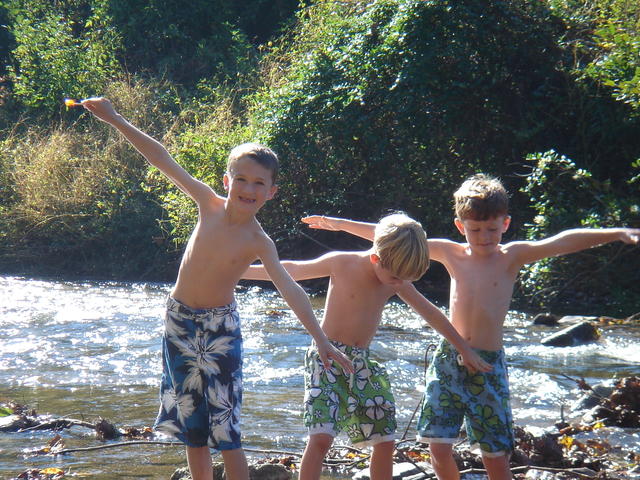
(70,102)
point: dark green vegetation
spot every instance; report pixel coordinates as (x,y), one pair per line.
(370,107)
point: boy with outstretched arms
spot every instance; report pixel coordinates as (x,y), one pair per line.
(201,387)
(483,272)
(360,284)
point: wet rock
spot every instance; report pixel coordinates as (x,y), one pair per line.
(14,423)
(548,319)
(266,471)
(583,332)
(539,475)
(403,470)
(621,408)
(573,319)
(593,397)
(269,471)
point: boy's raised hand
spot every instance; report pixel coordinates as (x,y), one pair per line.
(630,235)
(320,222)
(101,108)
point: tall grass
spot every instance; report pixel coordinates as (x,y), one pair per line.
(78,199)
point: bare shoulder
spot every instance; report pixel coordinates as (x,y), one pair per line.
(259,236)
(441,248)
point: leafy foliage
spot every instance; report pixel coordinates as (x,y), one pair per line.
(59,53)
(565,196)
(389,105)
(184,44)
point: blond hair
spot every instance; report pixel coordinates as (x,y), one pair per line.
(401,244)
(481,197)
(257,152)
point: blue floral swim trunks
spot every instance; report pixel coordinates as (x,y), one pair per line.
(453,394)
(201,389)
(360,403)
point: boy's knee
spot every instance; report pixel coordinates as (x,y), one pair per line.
(384,446)
(440,450)
(320,441)
(497,466)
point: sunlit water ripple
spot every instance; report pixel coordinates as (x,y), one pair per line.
(91,349)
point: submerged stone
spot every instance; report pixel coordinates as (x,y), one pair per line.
(579,334)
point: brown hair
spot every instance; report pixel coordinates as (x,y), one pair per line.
(481,197)
(259,153)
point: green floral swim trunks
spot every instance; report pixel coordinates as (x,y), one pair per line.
(360,403)
(453,394)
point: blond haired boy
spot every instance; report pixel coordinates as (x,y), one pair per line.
(360,284)
(483,272)
(201,388)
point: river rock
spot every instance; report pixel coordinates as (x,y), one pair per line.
(591,398)
(573,319)
(583,332)
(14,423)
(548,319)
(265,471)
(404,470)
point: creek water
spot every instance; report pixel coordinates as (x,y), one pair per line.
(92,349)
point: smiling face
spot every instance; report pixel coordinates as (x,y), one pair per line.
(248,184)
(483,236)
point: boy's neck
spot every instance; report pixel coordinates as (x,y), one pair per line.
(235,216)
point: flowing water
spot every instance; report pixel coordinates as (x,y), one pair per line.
(92,349)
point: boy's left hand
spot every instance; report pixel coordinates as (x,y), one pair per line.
(473,362)
(328,352)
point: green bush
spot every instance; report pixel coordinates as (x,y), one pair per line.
(564,196)
(59,53)
(182,42)
(389,105)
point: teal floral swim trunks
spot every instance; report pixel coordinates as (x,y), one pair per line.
(201,388)
(453,394)
(360,403)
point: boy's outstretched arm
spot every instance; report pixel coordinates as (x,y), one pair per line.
(155,153)
(297,269)
(360,229)
(440,323)
(570,241)
(299,302)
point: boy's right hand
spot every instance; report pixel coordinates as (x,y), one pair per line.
(630,235)
(321,222)
(328,352)
(101,108)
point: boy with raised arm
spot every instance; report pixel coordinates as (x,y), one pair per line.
(360,284)
(201,387)
(483,272)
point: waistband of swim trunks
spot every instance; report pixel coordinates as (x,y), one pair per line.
(487,355)
(179,307)
(350,350)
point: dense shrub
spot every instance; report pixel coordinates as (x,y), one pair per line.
(563,197)
(181,42)
(390,105)
(59,53)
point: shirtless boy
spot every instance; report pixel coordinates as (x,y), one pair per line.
(360,284)
(201,388)
(483,272)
